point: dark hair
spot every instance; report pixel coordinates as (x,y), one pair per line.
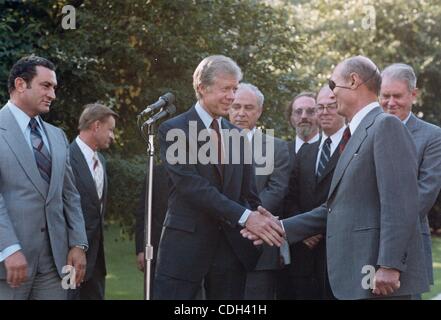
(26,68)
(288,110)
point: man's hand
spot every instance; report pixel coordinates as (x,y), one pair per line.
(77,259)
(265,226)
(386,281)
(313,241)
(140,261)
(16,269)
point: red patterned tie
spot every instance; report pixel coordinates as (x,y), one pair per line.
(344,139)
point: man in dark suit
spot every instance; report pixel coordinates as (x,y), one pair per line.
(41,224)
(398,93)
(212,194)
(373,239)
(302,117)
(308,188)
(270,156)
(96,126)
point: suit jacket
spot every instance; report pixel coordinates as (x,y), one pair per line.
(27,205)
(427,138)
(202,205)
(271,188)
(371,213)
(305,193)
(91,207)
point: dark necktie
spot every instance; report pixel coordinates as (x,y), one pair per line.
(215,126)
(41,153)
(344,139)
(324,157)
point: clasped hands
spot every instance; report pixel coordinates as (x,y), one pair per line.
(261,226)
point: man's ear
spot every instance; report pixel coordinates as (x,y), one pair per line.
(20,84)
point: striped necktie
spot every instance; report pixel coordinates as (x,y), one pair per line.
(324,157)
(41,153)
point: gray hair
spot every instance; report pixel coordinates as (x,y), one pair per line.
(211,67)
(253,89)
(366,69)
(402,72)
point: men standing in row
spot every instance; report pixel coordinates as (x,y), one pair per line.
(303,118)
(398,93)
(41,223)
(208,202)
(271,185)
(308,188)
(96,126)
(371,213)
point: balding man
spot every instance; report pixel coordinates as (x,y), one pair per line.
(374,245)
(271,185)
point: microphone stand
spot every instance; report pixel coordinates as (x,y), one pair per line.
(148,129)
(148,133)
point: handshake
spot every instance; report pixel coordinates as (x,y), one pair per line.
(261,226)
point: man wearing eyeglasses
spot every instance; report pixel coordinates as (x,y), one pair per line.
(373,240)
(398,93)
(302,117)
(308,188)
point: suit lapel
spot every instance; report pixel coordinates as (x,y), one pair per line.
(20,147)
(330,165)
(413,123)
(352,146)
(58,155)
(228,168)
(83,168)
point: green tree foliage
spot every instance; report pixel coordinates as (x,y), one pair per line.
(127,53)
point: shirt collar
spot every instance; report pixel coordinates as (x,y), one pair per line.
(206,118)
(358,117)
(85,149)
(251,133)
(407,118)
(335,138)
(21,117)
(300,142)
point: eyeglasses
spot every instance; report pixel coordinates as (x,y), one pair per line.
(309,112)
(329,107)
(332,85)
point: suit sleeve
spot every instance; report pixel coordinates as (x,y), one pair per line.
(202,195)
(291,201)
(429,174)
(305,225)
(72,205)
(274,192)
(396,175)
(8,236)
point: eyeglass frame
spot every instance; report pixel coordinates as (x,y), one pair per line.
(308,112)
(332,85)
(321,107)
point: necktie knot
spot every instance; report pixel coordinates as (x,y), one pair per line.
(33,124)
(328,141)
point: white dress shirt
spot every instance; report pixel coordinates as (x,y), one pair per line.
(335,140)
(300,142)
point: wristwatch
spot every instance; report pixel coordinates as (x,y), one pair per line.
(81,247)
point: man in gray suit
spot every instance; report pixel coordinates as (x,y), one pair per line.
(41,223)
(271,185)
(96,125)
(398,93)
(374,245)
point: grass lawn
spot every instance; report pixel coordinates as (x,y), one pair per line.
(125,282)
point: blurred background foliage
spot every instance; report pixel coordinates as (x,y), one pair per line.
(128,53)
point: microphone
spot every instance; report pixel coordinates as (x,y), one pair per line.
(165,100)
(167,111)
